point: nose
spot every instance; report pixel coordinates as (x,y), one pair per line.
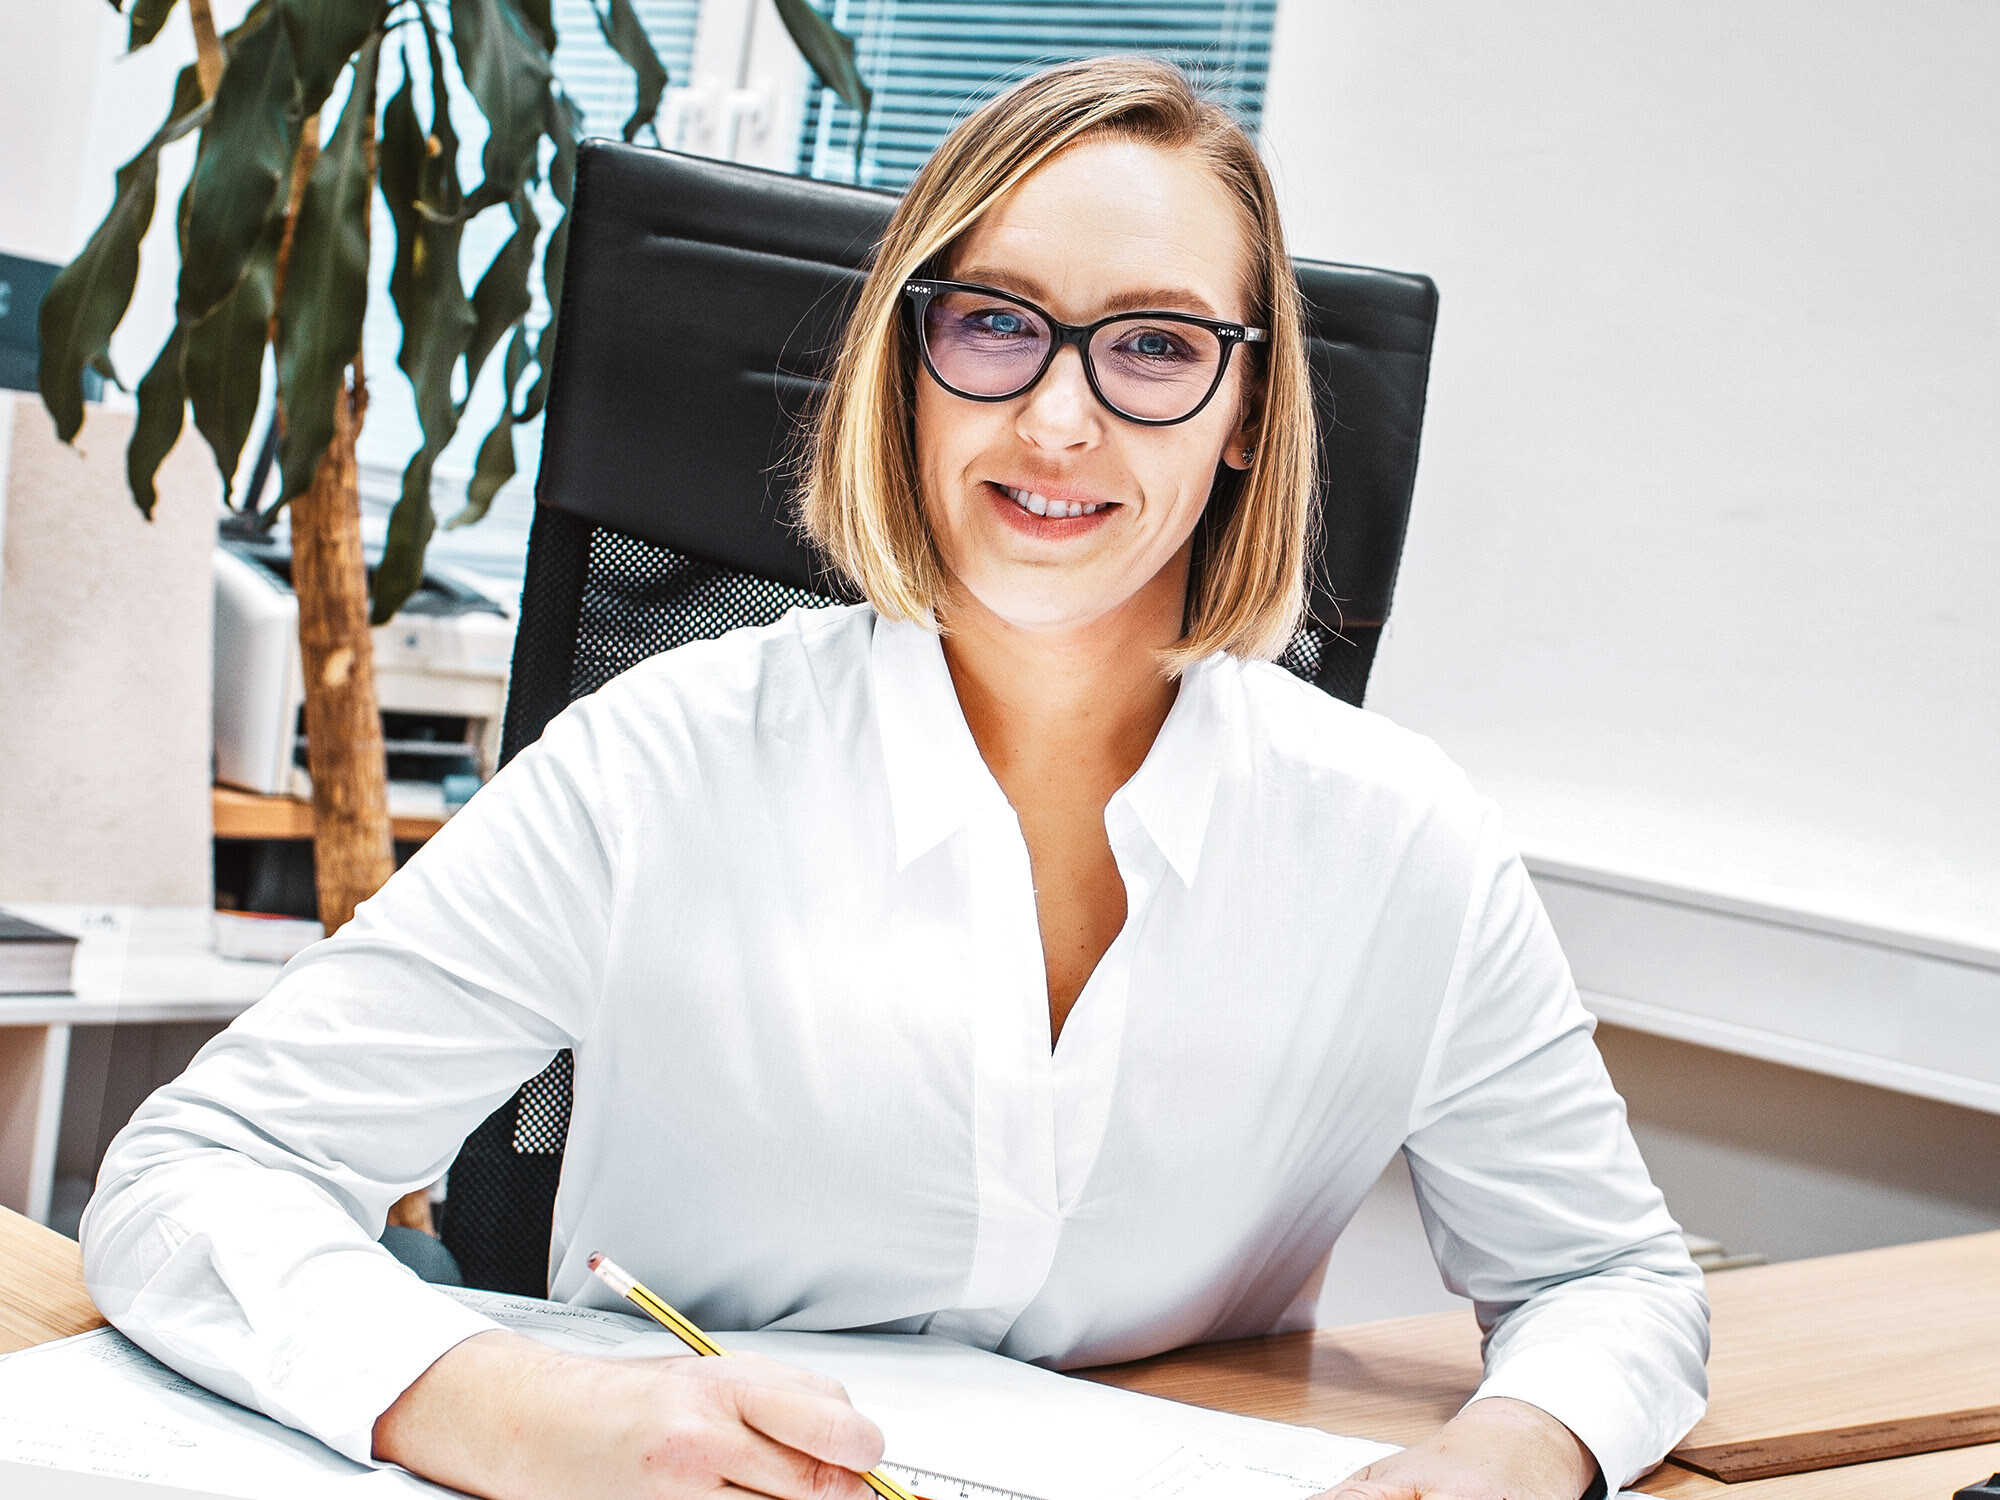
(1059,412)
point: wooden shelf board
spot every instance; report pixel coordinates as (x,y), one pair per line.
(247,815)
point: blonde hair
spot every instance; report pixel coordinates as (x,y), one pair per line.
(859,496)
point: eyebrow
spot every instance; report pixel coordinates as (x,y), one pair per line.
(1163,298)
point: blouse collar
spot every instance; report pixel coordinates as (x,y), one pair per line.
(937,778)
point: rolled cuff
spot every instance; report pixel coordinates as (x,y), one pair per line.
(1593,1394)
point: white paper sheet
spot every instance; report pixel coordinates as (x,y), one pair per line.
(973,1425)
(97,1404)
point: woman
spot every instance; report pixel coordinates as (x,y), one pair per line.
(1058,983)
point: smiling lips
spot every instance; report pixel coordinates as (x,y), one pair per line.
(1041,505)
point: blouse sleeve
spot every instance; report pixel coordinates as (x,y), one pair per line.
(233,1232)
(1534,1197)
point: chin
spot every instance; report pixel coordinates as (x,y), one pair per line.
(1039,610)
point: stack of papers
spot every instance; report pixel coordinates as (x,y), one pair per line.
(961,1424)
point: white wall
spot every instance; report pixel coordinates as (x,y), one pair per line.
(48,85)
(74,108)
(1703,576)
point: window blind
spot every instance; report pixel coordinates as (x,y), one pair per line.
(931,62)
(592,73)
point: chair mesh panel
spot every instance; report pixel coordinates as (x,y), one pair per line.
(501,1202)
(1336,661)
(541,1110)
(640,599)
(596,603)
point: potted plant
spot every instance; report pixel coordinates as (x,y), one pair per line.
(273,230)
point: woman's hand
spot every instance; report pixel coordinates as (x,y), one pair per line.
(502,1416)
(1496,1449)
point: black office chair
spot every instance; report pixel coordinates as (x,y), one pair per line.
(701,303)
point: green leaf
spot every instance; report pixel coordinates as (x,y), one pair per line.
(507,71)
(148,16)
(326,283)
(519,354)
(324,36)
(162,400)
(494,468)
(420,173)
(830,53)
(541,21)
(565,123)
(223,368)
(426,201)
(411,524)
(502,298)
(245,161)
(553,258)
(441,126)
(627,37)
(87,300)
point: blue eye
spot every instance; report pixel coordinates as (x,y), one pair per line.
(1154,346)
(1002,322)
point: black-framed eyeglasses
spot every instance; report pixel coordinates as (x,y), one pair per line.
(1154,368)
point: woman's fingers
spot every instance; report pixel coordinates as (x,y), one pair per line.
(764,1467)
(811,1422)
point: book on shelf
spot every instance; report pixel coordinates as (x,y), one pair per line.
(34,960)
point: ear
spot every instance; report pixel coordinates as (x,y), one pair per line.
(1241,445)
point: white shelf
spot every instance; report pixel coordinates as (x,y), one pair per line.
(1918,1013)
(139,964)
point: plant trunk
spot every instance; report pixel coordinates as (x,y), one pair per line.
(352,852)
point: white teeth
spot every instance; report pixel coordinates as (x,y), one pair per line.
(1041,505)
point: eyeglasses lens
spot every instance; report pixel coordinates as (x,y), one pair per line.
(1155,368)
(983,345)
(986,345)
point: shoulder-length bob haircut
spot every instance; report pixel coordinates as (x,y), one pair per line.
(859,495)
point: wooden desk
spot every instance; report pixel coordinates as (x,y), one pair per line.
(1801,1345)
(1818,1342)
(41,1285)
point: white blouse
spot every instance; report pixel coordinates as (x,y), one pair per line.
(767,890)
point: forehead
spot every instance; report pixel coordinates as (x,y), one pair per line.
(1109,217)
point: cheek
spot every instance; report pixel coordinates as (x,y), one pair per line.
(1181,470)
(930,434)
(945,435)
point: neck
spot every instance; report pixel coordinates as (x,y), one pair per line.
(1082,703)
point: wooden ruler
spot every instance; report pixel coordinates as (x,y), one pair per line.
(1832,1447)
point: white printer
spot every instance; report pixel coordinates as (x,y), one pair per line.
(440,675)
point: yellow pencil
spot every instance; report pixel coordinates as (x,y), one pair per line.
(626,1285)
